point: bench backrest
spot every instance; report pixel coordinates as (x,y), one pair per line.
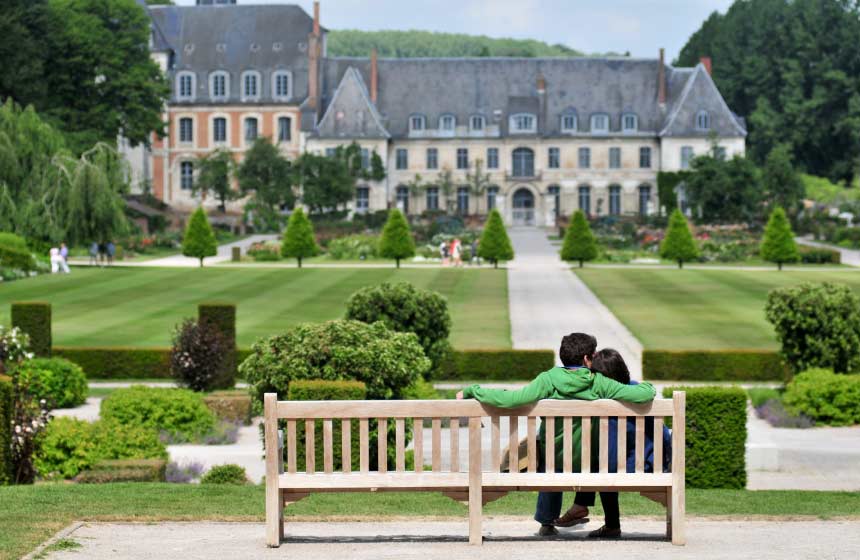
(369,414)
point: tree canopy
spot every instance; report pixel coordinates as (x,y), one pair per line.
(268,176)
(396,241)
(579,242)
(299,241)
(781,183)
(495,245)
(199,240)
(793,69)
(724,190)
(214,174)
(678,245)
(778,244)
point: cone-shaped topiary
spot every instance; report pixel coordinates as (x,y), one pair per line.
(579,243)
(678,245)
(299,241)
(495,244)
(199,240)
(396,242)
(778,244)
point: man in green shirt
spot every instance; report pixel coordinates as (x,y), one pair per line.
(573,380)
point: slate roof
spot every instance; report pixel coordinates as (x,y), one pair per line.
(502,86)
(350,113)
(235,38)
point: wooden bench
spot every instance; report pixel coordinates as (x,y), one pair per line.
(482,481)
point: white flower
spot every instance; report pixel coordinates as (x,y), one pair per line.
(17,429)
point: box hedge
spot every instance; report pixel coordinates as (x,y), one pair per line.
(60,382)
(496,365)
(716,436)
(177,414)
(34,318)
(119,362)
(124,470)
(223,317)
(718,365)
(5,430)
(817,255)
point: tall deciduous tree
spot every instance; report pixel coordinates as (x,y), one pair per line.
(96,208)
(25,31)
(213,177)
(778,244)
(724,190)
(268,177)
(396,242)
(199,241)
(326,182)
(299,241)
(495,245)
(782,184)
(579,242)
(678,245)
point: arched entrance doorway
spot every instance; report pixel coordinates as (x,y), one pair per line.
(524,207)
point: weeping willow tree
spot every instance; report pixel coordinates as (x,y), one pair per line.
(48,195)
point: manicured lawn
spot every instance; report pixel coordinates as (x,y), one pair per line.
(140,306)
(31,514)
(698,309)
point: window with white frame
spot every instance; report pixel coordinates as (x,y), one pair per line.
(282,85)
(432,158)
(600,123)
(523,123)
(703,120)
(285,129)
(186,129)
(251,129)
(614,158)
(432,198)
(686,156)
(219,130)
(251,85)
(629,122)
(492,158)
(476,123)
(447,123)
(644,157)
(492,193)
(462,200)
(362,199)
(462,158)
(186,175)
(584,158)
(585,199)
(523,160)
(553,158)
(401,160)
(417,122)
(568,122)
(644,199)
(365,158)
(403,198)
(219,85)
(185,86)
(614,200)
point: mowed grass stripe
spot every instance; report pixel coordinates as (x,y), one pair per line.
(140,306)
(699,309)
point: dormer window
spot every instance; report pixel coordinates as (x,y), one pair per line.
(250,86)
(417,122)
(703,120)
(629,122)
(523,123)
(476,123)
(568,122)
(219,85)
(282,88)
(447,123)
(185,86)
(600,123)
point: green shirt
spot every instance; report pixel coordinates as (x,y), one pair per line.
(561,383)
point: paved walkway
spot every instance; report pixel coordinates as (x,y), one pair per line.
(503,538)
(850,257)
(548,301)
(225,253)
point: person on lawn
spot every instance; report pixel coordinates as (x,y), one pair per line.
(573,380)
(609,363)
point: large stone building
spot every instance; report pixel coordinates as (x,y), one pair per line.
(547,135)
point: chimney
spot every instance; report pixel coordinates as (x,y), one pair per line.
(317,19)
(541,84)
(374,76)
(706,62)
(661,78)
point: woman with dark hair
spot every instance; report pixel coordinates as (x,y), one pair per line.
(610,363)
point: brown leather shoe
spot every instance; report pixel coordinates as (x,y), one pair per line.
(605,533)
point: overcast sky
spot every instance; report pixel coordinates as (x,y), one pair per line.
(638,26)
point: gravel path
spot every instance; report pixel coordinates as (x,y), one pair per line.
(503,538)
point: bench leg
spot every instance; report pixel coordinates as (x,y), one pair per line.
(678,535)
(274,514)
(476,499)
(669,513)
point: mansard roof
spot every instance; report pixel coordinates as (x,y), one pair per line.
(350,113)
(700,93)
(499,87)
(235,38)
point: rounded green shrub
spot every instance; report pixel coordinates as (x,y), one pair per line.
(225,474)
(60,382)
(404,308)
(387,362)
(179,414)
(70,446)
(826,397)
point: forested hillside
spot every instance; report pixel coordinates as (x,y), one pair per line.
(410,44)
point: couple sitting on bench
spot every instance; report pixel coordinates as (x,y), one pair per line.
(585,375)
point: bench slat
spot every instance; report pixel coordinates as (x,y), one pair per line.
(495,444)
(346,445)
(382,445)
(291,446)
(418,443)
(568,444)
(532,443)
(328,455)
(640,445)
(658,445)
(622,444)
(514,444)
(550,444)
(585,436)
(400,444)
(437,445)
(357,481)
(501,481)
(310,448)
(454,434)
(363,449)
(604,444)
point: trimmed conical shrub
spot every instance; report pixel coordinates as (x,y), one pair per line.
(199,241)
(495,244)
(579,243)
(678,245)
(396,242)
(299,241)
(778,244)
